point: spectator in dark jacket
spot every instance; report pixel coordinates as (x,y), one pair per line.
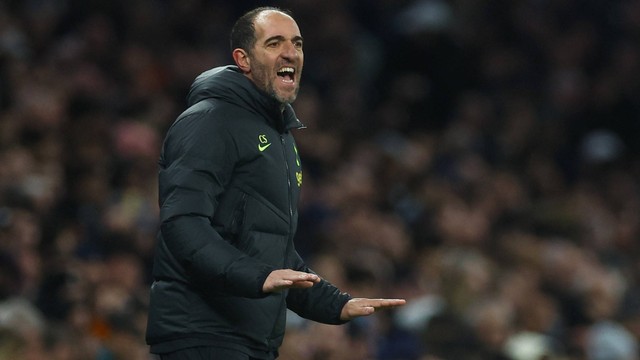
(226,268)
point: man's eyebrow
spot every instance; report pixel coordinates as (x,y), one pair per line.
(282,38)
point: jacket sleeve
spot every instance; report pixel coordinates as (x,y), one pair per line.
(196,164)
(322,302)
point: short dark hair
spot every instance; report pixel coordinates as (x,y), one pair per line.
(243,33)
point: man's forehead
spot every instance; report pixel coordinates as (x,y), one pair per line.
(263,15)
(272,21)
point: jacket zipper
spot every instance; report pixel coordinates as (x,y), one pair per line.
(287,173)
(290,238)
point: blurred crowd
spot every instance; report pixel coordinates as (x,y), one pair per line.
(479,158)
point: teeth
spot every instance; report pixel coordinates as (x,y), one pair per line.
(287,70)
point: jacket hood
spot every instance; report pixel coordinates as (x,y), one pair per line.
(227,83)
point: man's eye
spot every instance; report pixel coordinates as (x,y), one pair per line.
(298,44)
(272,44)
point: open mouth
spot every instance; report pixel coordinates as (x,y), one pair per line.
(287,74)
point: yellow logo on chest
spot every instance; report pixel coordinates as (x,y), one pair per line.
(264,143)
(299,178)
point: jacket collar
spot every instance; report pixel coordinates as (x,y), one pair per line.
(227,83)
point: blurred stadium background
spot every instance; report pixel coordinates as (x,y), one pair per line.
(479,158)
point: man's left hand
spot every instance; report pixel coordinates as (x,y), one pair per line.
(357,307)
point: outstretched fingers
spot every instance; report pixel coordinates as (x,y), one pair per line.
(387,303)
(282,279)
(362,306)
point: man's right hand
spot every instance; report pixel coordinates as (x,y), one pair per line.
(282,279)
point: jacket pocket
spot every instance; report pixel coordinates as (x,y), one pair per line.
(237,219)
(229,216)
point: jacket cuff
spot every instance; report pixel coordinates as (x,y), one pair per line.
(344,299)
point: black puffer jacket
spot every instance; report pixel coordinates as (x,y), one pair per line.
(229,182)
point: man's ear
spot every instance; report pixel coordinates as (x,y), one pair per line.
(242,60)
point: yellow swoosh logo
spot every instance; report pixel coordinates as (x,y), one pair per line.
(263,147)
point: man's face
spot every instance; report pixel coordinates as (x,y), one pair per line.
(277,57)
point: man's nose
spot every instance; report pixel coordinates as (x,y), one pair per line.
(289,51)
